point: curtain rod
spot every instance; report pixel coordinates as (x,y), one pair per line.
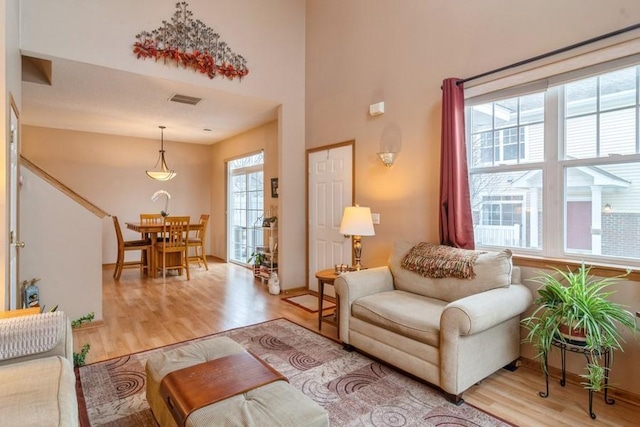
(553,52)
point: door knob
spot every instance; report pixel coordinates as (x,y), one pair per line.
(19,244)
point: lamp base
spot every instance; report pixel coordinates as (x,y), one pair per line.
(357,252)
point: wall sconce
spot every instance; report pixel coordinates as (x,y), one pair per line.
(388,158)
(357,222)
(607,208)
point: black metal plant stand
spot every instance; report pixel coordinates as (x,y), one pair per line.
(580,349)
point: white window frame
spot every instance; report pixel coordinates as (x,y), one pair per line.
(554,166)
(245,170)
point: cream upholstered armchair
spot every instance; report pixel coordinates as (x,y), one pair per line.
(450,332)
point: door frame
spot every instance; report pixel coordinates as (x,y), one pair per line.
(310,151)
(12,291)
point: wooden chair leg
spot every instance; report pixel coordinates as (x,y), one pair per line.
(115,269)
(197,256)
(186,262)
(119,265)
(204,258)
(164,263)
(145,265)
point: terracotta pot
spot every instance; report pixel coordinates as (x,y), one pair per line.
(573,335)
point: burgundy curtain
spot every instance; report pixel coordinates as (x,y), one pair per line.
(456,222)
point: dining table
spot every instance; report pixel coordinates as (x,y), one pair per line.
(152,230)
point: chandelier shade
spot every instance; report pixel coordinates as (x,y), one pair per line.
(161,171)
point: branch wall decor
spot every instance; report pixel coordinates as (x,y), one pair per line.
(190,43)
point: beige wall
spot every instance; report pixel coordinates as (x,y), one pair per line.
(360,52)
(262,138)
(59,232)
(109,171)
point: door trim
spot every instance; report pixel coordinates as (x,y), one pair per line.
(310,151)
(12,291)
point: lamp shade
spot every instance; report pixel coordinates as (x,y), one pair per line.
(356,221)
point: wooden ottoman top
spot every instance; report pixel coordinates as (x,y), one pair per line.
(188,389)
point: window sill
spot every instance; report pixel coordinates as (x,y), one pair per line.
(602,270)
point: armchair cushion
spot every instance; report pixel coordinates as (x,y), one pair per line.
(406,314)
(492,270)
(39,392)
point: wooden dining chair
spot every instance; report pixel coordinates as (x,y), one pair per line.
(142,245)
(173,241)
(197,242)
(151,218)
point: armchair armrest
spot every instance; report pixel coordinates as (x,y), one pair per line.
(357,284)
(484,310)
(483,326)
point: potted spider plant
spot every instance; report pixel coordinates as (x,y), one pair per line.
(574,308)
(256,258)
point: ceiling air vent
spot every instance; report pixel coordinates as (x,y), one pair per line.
(184,99)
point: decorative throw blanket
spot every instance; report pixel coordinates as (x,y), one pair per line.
(21,336)
(437,261)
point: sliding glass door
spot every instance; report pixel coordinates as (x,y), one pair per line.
(245,206)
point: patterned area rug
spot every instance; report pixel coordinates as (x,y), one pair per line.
(354,390)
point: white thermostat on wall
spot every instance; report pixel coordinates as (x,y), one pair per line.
(376,109)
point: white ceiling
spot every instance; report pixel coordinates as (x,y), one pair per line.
(90,98)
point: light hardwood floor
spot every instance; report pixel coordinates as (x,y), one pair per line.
(141,313)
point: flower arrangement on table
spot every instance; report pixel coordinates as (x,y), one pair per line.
(157,195)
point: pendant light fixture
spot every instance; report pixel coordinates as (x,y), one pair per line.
(163,174)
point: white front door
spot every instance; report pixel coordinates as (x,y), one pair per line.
(330,190)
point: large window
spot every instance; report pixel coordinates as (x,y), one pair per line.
(556,171)
(246,204)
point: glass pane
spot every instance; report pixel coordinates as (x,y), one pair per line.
(254,181)
(532,143)
(481,153)
(532,108)
(481,118)
(618,89)
(507,208)
(238,183)
(509,131)
(618,132)
(510,144)
(612,228)
(245,162)
(486,144)
(581,137)
(581,97)
(506,113)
